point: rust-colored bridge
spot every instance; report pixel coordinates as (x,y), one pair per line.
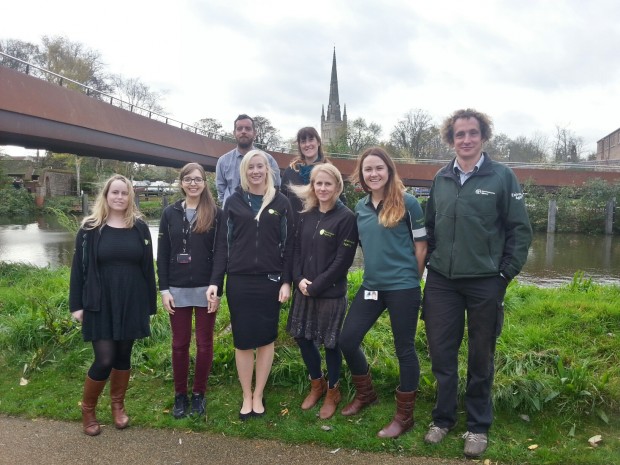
(37,114)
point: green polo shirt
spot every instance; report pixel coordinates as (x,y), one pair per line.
(389,254)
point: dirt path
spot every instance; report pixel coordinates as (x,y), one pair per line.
(42,441)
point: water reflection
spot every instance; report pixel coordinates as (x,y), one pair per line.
(553,258)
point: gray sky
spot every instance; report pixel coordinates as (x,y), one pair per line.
(530,65)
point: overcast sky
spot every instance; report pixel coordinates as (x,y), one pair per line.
(530,65)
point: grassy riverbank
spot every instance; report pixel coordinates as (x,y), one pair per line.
(557,383)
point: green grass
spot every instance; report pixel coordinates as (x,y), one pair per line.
(557,381)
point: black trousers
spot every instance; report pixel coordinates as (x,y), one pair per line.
(446,301)
(403,306)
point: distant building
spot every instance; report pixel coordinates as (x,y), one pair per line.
(334,122)
(608,148)
(45,182)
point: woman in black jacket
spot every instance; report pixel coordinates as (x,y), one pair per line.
(256,253)
(326,240)
(112,293)
(185,250)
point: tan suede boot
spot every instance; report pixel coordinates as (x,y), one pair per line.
(318,387)
(332,399)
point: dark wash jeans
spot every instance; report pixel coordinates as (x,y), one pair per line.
(402,306)
(446,301)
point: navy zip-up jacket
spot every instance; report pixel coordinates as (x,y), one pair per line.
(255,247)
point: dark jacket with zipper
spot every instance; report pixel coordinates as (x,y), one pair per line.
(85,286)
(200,246)
(253,247)
(479,229)
(325,246)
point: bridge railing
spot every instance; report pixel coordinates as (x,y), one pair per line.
(50,76)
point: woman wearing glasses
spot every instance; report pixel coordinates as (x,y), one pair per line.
(184,261)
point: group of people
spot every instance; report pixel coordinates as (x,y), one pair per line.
(273,237)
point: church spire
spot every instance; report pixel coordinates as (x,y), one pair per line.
(332,122)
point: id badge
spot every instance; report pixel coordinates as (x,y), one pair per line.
(184,258)
(371,295)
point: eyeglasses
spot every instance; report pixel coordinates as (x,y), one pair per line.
(197,181)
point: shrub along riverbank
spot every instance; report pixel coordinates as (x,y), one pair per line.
(557,382)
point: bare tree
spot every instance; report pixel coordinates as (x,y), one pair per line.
(413,135)
(211,126)
(73,60)
(25,51)
(136,93)
(567,146)
(360,135)
(267,137)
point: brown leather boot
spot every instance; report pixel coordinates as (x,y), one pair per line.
(403,419)
(92,391)
(318,387)
(119,380)
(332,399)
(365,395)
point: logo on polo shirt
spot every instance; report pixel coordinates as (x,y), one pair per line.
(325,232)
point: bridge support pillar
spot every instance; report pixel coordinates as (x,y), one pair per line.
(609,216)
(551,214)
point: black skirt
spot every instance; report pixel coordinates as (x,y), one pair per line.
(254,310)
(318,320)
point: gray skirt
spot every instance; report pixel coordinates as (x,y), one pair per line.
(316,319)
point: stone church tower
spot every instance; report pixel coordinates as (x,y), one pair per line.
(334,122)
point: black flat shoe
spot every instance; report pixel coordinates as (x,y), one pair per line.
(245,416)
(257,414)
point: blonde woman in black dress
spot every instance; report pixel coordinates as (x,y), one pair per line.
(112,293)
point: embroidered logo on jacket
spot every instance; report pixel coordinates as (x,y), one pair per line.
(517,195)
(325,232)
(481,192)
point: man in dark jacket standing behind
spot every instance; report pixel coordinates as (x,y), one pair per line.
(478,239)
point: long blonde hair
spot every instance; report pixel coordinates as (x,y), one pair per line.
(393,192)
(306,192)
(270,190)
(205,211)
(101,210)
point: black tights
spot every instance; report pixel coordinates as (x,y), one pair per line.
(110,354)
(312,358)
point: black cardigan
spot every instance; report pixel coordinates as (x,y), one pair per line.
(85,287)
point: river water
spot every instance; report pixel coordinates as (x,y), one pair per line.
(553,259)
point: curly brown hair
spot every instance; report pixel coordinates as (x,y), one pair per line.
(447,128)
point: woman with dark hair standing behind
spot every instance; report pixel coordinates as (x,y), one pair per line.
(390,223)
(256,254)
(112,293)
(187,237)
(298,172)
(326,240)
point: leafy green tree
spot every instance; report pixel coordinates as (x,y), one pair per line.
(211,127)
(25,51)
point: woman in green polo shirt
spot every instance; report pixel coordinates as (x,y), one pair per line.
(393,239)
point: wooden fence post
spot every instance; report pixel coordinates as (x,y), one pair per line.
(553,209)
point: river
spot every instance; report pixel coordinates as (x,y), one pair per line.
(553,259)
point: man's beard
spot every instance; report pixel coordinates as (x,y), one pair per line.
(245,145)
